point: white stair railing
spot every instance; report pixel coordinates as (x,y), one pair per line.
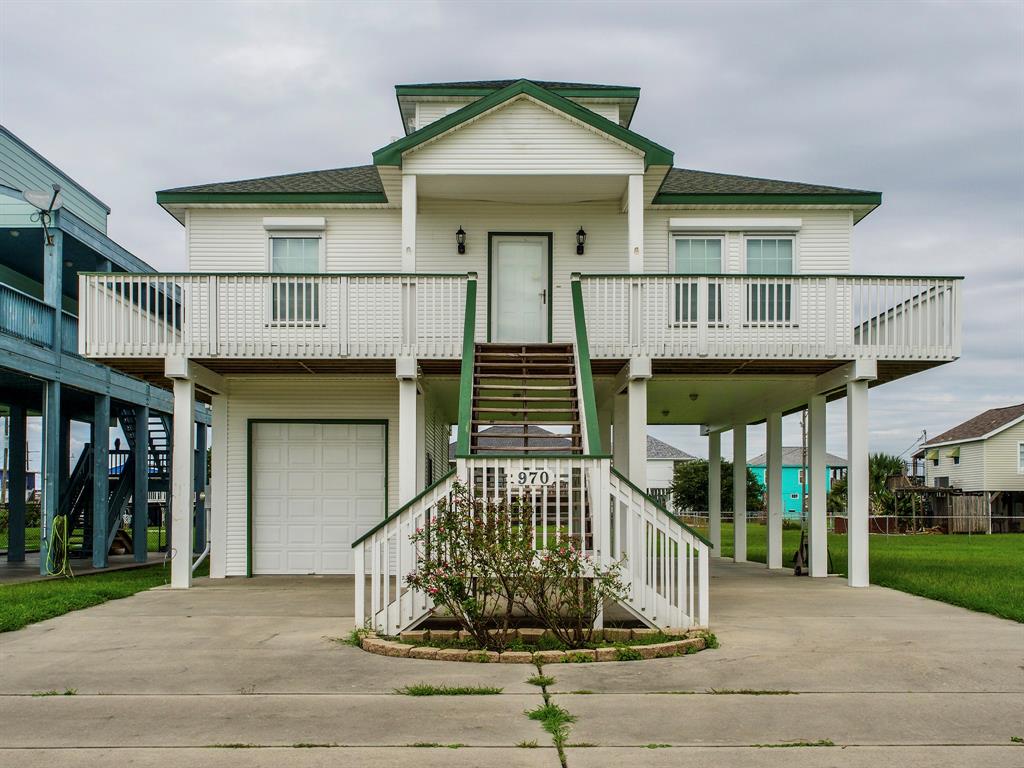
(666,563)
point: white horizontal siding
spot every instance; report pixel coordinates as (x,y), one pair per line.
(659,473)
(968,475)
(234,240)
(1001,460)
(822,247)
(523,137)
(605,250)
(293,397)
(22,170)
(609,111)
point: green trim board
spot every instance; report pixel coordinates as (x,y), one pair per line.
(593,92)
(182,198)
(248,468)
(660,508)
(490,274)
(401,509)
(654,154)
(466,372)
(586,375)
(771,198)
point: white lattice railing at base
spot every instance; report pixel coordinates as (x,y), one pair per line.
(665,564)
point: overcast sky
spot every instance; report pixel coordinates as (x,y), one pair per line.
(924,102)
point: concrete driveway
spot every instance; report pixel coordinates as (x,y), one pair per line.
(242,672)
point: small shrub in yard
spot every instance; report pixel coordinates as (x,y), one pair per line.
(627,653)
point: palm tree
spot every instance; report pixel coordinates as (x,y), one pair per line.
(881,501)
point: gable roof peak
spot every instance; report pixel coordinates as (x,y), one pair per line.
(990,421)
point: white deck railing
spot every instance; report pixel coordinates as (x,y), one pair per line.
(271,316)
(766,316)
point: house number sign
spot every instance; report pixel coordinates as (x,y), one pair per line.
(533,477)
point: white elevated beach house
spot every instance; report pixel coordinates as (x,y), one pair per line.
(520,257)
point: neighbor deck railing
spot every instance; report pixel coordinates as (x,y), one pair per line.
(772,316)
(272,315)
(31,319)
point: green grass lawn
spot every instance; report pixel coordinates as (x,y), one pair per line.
(23,604)
(980,572)
(154,536)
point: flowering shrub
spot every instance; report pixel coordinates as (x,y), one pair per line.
(476,559)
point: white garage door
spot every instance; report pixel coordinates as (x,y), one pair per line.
(315,489)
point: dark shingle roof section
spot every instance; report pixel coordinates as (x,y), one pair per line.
(358,179)
(980,425)
(510,438)
(685,181)
(657,449)
(498,84)
(793,456)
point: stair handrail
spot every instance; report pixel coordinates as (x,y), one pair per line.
(466,375)
(660,507)
(585,378)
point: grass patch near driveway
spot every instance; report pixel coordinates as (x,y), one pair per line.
(981,572)
(26,603)
(426,689)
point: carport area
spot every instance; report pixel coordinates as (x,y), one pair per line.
(254,664)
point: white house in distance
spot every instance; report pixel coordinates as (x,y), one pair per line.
(984,455)
(661,466)
(521,256)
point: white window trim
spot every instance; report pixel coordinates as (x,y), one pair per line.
(736,224)
(1020,458)
(747,236)
(719,236)
(297,234)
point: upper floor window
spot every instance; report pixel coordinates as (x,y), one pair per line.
(293,299)
(697,256)
(770,301)
(1020,457)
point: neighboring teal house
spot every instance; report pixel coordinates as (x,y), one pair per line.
(793,485)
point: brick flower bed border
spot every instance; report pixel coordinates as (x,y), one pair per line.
(683,640)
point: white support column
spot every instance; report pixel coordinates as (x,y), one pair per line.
(773,482)
(421,441)
(408,423)
(219,489)
(739,492)
(817,519)
(715,492)
(182,483)
(635,223)
(620,437)
(857,483)
(637,403)
(409,223)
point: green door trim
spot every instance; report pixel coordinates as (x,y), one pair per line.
(490,273)
(250,423)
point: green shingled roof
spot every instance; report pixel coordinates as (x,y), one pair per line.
(494,85)
(359,184)
(684,185)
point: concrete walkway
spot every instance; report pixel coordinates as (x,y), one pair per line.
(193,677)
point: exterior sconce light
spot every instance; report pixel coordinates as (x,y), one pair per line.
(460,239)
(581,239)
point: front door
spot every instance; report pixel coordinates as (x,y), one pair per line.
(520,287)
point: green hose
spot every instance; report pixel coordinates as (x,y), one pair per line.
(57,563)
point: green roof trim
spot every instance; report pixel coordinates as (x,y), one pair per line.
(654,154)
(180,198)
(610,92)
(769,198)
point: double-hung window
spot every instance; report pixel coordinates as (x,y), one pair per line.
(695,256)
(294,299)
(770,299)
(1020,458)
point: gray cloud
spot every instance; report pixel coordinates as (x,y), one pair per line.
(922,101)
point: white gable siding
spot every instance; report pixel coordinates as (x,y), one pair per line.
(823,243)
(234,240)
(292,397)
(968,475)
(659,473)
(609,111)
(429,111)
(1001,460)
(605,251)
(523,137)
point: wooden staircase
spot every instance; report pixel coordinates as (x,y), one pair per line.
(525,400)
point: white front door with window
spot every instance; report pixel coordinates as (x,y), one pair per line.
(519,284)
(315,489)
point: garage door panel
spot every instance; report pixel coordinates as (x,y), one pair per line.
(316,488)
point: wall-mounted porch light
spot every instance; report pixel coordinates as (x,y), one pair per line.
(581,239)
(460,239)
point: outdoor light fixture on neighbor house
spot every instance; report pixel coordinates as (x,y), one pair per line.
(581,239)
(460,239)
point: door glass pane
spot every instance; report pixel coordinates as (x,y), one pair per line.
(697,256)
(291,300)
(770,301)
(520,287)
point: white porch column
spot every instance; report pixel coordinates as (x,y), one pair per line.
(817,518)
(635,223)
(739,492)
(219,489)
(773,483)
(408,423)
(715,492)
(182,483)
(639,372)
(409,223)
(857,482)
